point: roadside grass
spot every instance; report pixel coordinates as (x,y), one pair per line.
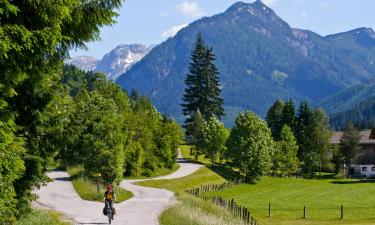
(87,189)
(43,217)
(322,197)
(156,173)
(203,176)
(190,210)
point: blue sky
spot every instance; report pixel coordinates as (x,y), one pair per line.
(153,21)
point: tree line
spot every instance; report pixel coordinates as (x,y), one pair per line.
(49,112)
(289,141)
(112,133)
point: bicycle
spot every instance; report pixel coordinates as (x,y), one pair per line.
(109,212)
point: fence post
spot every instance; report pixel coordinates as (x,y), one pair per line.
(342,212)
(269,209)
(304,212)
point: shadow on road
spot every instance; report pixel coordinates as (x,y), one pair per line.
(89,223)
(63,178)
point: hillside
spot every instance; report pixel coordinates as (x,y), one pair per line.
(346,99)
(260,57)
(361,115)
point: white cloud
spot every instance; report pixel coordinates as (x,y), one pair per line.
(173,30)
(190,9)
(269,2)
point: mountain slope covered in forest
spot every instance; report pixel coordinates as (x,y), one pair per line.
(260,59)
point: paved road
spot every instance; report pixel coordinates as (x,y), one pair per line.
(142,209)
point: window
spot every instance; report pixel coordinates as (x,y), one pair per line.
(364,168)
(373,168)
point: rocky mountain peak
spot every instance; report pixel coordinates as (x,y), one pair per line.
(260,14)
(114,63)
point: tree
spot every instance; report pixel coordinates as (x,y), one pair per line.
(214,136)
(250,146)
(274,118)
(202,90)
(337,158)
(285,161)
(349,145)
(167,139)
(11,168)
(36,37)
(133,159)
(304,120)
(288,115)
(103,139)
(196,134)
(317,146)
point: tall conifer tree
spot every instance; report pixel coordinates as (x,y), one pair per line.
(304,119)
(202,90)
(274,118)
(288,115)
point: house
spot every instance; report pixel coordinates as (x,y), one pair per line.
(363,164)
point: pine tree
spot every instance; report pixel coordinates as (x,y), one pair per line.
(203,86)
(288,115)
(304,119)
(273,118)
(315,153)
(349,144)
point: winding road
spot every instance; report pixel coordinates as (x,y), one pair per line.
(142,209)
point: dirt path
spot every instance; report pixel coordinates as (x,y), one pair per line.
(142,209)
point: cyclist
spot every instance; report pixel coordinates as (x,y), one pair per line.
(110,197)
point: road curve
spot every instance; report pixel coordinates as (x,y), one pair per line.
(142,209)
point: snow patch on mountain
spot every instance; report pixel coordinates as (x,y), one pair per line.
(114,63)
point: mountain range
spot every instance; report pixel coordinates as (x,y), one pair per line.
(114,63)
(260,59)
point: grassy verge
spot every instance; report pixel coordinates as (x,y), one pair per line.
(157,173)
(190,210)
(203,176)
(87,189)
(42,217)
(322,197)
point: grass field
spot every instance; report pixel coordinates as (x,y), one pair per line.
(185,152)
(42,217)
(322,198)
(87,189)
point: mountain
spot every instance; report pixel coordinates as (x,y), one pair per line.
(260,59)
(85,63)
(347,98)
(361,115)
(120,59)
(114,63)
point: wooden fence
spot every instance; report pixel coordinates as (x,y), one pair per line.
(237,210)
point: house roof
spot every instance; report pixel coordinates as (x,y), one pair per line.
(365,137)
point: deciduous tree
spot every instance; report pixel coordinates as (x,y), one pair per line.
(250,146)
